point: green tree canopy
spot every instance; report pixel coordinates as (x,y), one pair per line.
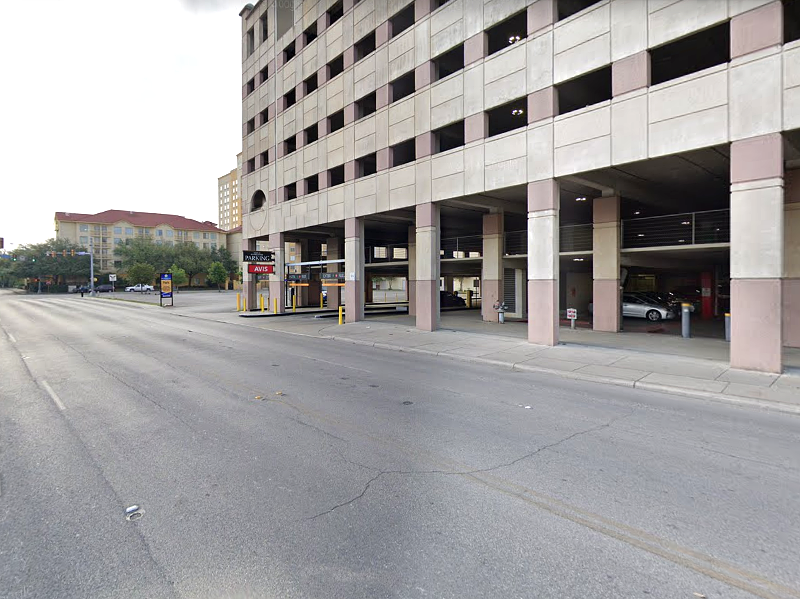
(179,276)
(32,261)
(217,274)
(141,273)
(229,263)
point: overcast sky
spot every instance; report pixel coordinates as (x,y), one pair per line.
(124,105)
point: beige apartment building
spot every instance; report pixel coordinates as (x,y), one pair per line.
(113,227)
(559,153)
(229,198)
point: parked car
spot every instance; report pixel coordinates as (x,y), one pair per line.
(636,306)
(447,299)
(667,299)
(104,288)
(140,287)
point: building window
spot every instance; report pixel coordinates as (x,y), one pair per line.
(448,63)
(690,54)
(251,86)
(250,127)
(365,46)
(290,145)
(449,137)
(251,41)
(263,117)
(311,134)
(335,13)
(263,158)
(567,8)
(312,184)
(159,233)
(439,3)
(84,239)
(336,66)
(310,84)
(310,34)
(290,192)
(366,165)
(250,165)
(791,21)
(264,31)
(508,117)
(117,230)
(401,21)
(128,230)
(402,86)
(366,106)
(212,235)
(290,98)
(169,232)
(336,175)
(288,52)
(205,235)
(592,88)
(336,121)
(117,241)
(508,32)
(403,153)
(84,228)
(263,75)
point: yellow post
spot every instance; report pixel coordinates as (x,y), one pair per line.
(321,299)
(469,298)
(341,314)
(294,303)
(262,301)
(244,304)
(275,305)
(238,302)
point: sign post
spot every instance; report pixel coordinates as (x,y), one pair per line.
(112,278)
(166,289)
(572,315)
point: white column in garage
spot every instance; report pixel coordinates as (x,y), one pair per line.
(492,265)
(334,253)
(543,262)
(757,212)
(412,271)
(428,268)
(277,282)
(249,281)
(354,269)
(606,265)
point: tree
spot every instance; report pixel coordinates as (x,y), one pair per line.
(36,261)
(217,274)
(228,262)
(145,251)
(179,276)
(192,259)
(141,273)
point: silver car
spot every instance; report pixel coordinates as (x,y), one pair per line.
(637,306)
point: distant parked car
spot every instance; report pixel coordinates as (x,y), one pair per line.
(104,288)
(81,289)
(451,300)
(669,299)
(140,287)
(641,307)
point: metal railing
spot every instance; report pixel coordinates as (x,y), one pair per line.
(575,238)
(516,243)
(689,228)
(470,246)
(386,253)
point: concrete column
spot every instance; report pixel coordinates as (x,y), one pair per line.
(448,283)
(302,293)
(543,262)
(428,268)
(411,288)
(791,260)
(492,265)
(277,282)
(757,248)
(354,269)
(368,299)
(605,265)
(249,281)
(334,253)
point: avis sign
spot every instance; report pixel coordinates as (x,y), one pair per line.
(260,269)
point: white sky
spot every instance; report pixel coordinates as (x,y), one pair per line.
(123,105)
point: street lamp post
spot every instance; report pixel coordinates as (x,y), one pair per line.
(91,267)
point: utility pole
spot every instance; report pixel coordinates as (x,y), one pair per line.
(91,267)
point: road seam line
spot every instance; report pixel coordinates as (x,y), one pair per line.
(53,395)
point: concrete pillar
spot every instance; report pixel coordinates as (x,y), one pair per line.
(757,248)
(605,265)
(428,267)
(354,269)
(368,288)
(277,282)
(334,253)
(302,293)
(411,288)
(492,265)
(249,281)
(791,260)
(543,262)
(448,283)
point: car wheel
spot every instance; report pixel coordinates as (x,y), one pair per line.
(653,315)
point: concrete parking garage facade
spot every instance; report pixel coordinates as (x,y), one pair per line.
(368,118)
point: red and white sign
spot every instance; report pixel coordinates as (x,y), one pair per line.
(261,269)
(572,313)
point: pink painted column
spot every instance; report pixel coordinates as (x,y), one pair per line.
(543,262)
(605,265)
(411,289)
(334,253)
(428,267)
(354,269)
(277,280)
(249,282)
(492,266)
(791,260)
(757,248)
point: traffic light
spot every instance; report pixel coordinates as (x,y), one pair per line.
(72,253)
(64,253)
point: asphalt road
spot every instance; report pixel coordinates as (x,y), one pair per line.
(277,465)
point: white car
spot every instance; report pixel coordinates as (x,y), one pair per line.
(140,287)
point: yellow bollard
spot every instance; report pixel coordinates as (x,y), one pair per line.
(238,302)
(341,314)
(244,304)
(275,305)
(294,303)
(321,299)
(262,301)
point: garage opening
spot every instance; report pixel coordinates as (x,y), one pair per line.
(583,91)
(690,54)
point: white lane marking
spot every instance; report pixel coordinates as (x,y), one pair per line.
(52,394)
(11,337)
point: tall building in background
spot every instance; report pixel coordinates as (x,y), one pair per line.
(230,205)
